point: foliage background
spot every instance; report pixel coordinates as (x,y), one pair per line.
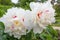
(48,34)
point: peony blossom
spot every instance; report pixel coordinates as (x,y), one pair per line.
(42,15)
(14,22)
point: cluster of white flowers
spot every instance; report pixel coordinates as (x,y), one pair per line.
(17,20)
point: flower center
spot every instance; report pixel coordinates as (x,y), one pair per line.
(16,22)
(38,17)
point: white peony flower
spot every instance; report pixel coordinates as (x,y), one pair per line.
(14,22)
(14,1)
(42,15)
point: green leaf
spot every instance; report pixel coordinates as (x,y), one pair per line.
(49,34)
(43,36)
(43,1)
(1,28)
(51,31)
(1,12)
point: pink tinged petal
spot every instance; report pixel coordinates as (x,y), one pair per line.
(12,27)
(14,16)
(23,19)
(39,14)
(47,11)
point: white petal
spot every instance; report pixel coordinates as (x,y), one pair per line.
(14,1)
